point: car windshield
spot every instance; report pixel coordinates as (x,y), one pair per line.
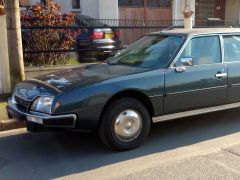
(149,51)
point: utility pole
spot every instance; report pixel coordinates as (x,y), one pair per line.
(14,41)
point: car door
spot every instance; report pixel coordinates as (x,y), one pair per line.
(232,60)
(200,84)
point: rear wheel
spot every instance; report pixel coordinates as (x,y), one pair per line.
(125,124)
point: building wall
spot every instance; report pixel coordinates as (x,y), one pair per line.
(66,4)
(108,9)
(4,58)
(232,11)
(90,8)
(99,9)
(1,76)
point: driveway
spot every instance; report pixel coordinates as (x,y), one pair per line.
(203,146)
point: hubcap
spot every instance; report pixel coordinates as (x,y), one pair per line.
(128,125)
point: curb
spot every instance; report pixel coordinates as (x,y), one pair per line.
(10,124)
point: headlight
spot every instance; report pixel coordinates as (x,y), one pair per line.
(13,100)
(42,104)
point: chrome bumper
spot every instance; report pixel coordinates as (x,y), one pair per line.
(60,121)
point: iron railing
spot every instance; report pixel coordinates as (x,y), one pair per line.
(130,31)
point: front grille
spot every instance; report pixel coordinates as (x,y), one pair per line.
(22,102)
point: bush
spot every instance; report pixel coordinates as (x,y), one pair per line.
(48,14)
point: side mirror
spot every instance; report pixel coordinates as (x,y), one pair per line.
(185,62)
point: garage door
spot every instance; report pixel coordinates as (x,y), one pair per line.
(143,10)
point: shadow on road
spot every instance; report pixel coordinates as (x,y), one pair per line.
(54,155)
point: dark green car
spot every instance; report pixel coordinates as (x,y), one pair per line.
(164,75)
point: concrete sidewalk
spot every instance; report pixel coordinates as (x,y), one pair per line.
(221,165)
(5,122)
(10,124)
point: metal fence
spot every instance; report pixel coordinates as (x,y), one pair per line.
(130,30)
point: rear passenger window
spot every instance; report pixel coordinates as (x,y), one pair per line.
(231,48)
(203,50)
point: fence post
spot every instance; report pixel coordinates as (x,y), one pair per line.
(15,41)
(4,58)
(188,21)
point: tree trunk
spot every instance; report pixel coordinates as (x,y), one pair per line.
(14,41)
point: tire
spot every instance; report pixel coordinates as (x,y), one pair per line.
(121,116)
(9,115)
(33,127)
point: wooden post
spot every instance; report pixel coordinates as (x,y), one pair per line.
(15,41)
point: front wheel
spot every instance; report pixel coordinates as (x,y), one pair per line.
(125,124)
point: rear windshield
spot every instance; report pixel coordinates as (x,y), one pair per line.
(149,52)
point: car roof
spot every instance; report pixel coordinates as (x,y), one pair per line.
(196,31)
(83,20)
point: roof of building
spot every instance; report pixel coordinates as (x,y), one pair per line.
(202,31)
(24,3)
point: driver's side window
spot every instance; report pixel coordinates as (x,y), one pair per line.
(202,50)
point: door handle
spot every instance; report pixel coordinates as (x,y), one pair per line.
(221,75)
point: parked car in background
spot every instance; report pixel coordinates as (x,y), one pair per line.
(97,40)
(163,76)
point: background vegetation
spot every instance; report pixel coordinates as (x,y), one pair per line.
(48,14)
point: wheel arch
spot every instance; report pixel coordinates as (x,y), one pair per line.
(142,97)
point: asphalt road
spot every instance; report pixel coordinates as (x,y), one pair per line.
(174,150)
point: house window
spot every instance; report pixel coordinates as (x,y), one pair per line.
(76,4)
(206,9)
(132,3)
(159,3)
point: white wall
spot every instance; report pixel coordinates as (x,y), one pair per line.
(1,76)
(66,4)
(4,58)
(108,9)
(100,9)
(90,8)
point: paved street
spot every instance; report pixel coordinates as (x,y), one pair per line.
(202,147)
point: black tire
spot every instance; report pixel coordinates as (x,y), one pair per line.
(33,127)
(9,115)
(106,128)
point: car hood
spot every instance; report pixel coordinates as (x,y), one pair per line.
(81,76)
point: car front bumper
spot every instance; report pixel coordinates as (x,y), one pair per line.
(55,121)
